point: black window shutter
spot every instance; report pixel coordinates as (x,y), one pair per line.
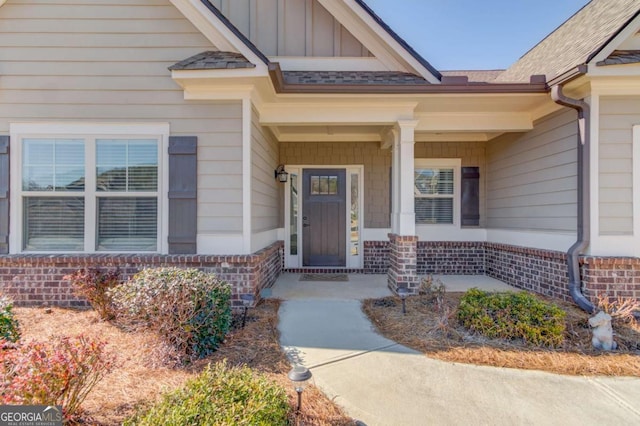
(470,196)
(183,191)
(4,194)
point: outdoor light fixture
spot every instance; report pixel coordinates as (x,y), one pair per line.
(281,174)
(299,376)
(403,292)
(247,302)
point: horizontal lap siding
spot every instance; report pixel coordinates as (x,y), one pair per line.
(532,177)
(291,28)
(265,190)
(105,60)
(618,115)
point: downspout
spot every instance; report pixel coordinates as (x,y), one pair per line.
(584,216)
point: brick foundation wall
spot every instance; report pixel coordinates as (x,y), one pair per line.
(451,258)
(611,276)
(32,280)
(539,271)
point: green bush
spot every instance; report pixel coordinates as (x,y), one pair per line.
(189,309)
(9,327)
(220,395)
(512,316)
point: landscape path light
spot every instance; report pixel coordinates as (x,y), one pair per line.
(299,376)
(403,292)
(247,302)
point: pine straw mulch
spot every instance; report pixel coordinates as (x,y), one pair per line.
(137,382)
(442,337)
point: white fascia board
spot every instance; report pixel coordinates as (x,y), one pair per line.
(474,122)
(616,86)
(378,41)
(308,63)
(217,32)
(619,70)
(334,113)
(293,136)
(216,93)
(628,32)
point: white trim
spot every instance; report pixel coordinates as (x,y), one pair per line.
(615,245)
(247,177)
(456,165)
(627,32)
(449,233)
(89,131)
(295,261)
(334,63)
(541,240)
(594,171)
(220,244)
(260,240)
(405,142)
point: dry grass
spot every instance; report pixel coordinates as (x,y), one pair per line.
(137,382)
(440,336)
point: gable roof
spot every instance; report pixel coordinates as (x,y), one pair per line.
(575,42)
(213,60)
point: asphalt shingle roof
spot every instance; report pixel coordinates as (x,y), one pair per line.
(478,76)
(389,78)
(213,61)
(573,42)
(622,57)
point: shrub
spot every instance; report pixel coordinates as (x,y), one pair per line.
(58,372)
(434,289)
(220,395)
(93,285)
(9,327)
(621,309)
(512,316)
(189,309)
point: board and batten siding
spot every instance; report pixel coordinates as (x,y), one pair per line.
(618,115)
(106,61)
(532,177)
(265,190)
(291,28)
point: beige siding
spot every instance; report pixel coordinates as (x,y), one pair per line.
(532,177)
(291,28)
(377,166)
(472,154)
(265,190)
(104,60)
(618,115)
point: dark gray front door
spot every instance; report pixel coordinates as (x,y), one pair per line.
(324,217)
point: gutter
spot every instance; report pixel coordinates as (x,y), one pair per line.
(584,215)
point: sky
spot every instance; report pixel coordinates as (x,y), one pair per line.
(474,34)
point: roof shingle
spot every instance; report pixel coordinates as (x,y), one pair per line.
(573,42)
(389,78)
(213,61)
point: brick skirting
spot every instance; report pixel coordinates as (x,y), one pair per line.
(613,276)
(32,280)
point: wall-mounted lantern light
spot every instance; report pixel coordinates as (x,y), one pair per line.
(281,174)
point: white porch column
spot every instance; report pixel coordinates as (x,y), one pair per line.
(403,210)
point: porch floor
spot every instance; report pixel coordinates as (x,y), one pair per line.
(363,286)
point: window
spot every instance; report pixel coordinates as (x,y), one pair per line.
(90,192)
(436,191)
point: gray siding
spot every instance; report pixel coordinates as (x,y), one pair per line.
(104,60)
(618,115)
(532,177)
(291,28)
(265,190)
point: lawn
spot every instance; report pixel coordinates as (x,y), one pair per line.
(437,333)
(139,378)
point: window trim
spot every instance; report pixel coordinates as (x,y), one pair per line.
(88,131)
(456,165)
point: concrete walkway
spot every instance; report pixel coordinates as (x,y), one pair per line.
(380,382)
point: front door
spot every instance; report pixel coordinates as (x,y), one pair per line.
(324,217)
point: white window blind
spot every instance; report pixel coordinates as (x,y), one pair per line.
(434,195)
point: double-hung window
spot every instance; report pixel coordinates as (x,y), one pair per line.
(436,191)
(90,192)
